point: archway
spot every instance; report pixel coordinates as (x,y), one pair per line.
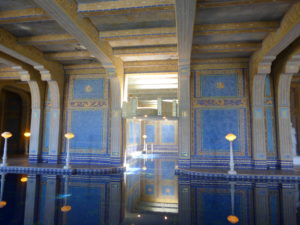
(15,110)
(286,133)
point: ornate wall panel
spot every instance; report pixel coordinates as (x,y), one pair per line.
(87,116)
(220,106)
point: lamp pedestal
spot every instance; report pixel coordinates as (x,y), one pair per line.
(231,162)
(68,136)
(4,157)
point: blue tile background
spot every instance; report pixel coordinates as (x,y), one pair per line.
(168,170)
(168,190)
(269,121)
(46,132)
(149,189)
(168,134)
(208,85)
(97,86)
(87,125)
(215,125)
(150,132)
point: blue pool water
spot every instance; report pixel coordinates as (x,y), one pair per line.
(148,193)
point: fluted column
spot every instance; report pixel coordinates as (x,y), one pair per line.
(116,122)
(30,202)
(261,204)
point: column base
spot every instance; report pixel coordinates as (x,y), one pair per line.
(184,163)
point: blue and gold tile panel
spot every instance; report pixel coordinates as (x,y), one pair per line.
(219,83)
(88,91)
(167,190)
(87,88)
(212,125)
(90,129)
(149,189)
(167,133)
(150,132)
(46,132)
(269,119)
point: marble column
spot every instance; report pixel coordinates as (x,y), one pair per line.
(55,122)
(184,205)
(116,122)
(50,202)
(31,201)
(258,123)
(159,106)
(35,122)
(115,203)
(289,204)
(184,117)
(261,204)
(284,122)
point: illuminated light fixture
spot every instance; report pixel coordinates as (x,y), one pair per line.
(164,117)
(3,204)
(27,134)
(145,116)
(233,219)
(24,179)
(139,216)
(144,136)
(5,135)
(68,136)
(144,168)
(165,217)
(231,138)
(66,208)
(134,117)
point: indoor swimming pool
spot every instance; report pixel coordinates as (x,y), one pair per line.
(149,192)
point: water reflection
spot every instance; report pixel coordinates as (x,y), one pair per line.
(150,196)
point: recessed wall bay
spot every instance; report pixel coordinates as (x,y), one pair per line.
(87,116)
(220,106)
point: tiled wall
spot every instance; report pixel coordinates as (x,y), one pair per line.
(87,116)
(270,123)
(220,105)
(163,134)
(133,135)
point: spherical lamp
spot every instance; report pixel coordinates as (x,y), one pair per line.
(3,204)
(66,208)
(24,179)
(27,134)
(6,134)
(230,137)
(233,219)
(69,135)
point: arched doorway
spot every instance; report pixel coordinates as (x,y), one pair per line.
(15,118)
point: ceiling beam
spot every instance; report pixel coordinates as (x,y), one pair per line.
(151,66)
(65,13)
(161,50)
(23,15)
(138,33)
(235,28)
(230,47)
(234,3)
(115,7)
(70,55)
(48,39)
(30,55)
(185,17)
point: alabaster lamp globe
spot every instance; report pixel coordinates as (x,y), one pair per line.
(6,134)
(3,204)
(27,134)
(233,219)
(69,135)
(230,137)
(24,179)
(144,168)
(144,136)
(66,208)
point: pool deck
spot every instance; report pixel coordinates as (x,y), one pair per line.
(21,165)
(263,175)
